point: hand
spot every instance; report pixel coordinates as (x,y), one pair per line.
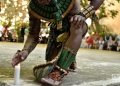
(19,57)
(44,2)
(77,21)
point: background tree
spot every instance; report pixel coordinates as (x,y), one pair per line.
(16,10)
(103,12)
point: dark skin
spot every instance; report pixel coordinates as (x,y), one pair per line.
(77,29)
(77,26)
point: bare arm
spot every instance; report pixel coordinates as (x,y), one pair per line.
(96,3)
(90,9)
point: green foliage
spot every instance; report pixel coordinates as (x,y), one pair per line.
(118,1)
(6,23)
(113,13)
(84,3)
(102,13)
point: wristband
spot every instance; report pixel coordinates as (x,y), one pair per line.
(87,12)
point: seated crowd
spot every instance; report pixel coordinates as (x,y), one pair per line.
(103,43)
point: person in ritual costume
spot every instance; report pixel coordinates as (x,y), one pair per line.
(67,28)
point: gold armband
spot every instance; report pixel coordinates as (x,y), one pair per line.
(87,11)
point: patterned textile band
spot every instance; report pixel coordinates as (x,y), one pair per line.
(66,58)
(56,10)
(87,12)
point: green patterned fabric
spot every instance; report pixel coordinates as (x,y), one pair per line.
(65,59)
(55,10)
(42,71)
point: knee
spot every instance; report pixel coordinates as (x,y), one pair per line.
(80,31)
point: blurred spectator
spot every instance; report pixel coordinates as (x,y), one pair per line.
(5,33)
(84,43)
(22,33)
(101,43)
(10,36)
(95,43)
(114,45)
(0,35)
(89,41)
(106,38)
(14,36)
(118,42)
(110,42)
(118,47)
(40,38)
(43,37)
